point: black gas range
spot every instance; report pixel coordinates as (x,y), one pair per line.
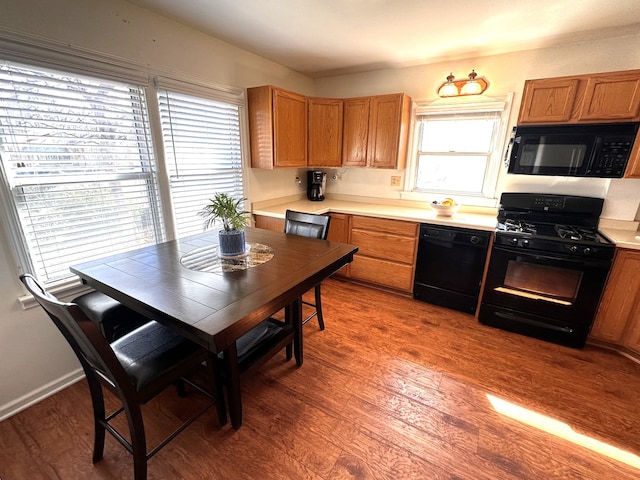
(548,267)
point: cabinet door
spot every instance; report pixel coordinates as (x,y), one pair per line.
(355,132)
(548,100)
(289,129)
(619,302)
(260,112)
(613,96)
(632,340)
(325,132)
(387,136)
(339,227)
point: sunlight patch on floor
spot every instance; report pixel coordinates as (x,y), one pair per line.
(561,430)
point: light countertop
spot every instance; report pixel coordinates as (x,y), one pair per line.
(623,238)
(464,219)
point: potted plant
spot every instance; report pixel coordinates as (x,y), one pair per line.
(228,210)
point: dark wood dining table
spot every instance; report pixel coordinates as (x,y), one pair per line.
(185,285)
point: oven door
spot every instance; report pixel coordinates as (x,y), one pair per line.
(551,291)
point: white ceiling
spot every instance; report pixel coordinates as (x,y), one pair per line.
(321,38)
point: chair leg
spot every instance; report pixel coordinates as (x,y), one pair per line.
(319,307)
(97,400)
(289,347)
(138,440)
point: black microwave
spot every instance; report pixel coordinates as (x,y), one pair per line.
(596,150)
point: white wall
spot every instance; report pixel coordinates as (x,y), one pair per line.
(33,356)
(505,74)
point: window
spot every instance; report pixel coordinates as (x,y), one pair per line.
(202,149)
(457,149)
(80,177)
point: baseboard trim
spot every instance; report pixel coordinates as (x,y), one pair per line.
(15,406)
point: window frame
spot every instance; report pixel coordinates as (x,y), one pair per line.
(36,53)
(451,108)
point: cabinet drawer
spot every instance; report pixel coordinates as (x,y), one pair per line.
(382,272)
(384,245)
(399,227)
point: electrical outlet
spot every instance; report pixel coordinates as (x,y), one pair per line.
(395,181)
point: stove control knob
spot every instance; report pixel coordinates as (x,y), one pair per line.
(525,243)
(586,251)
(573,249)
(514,241)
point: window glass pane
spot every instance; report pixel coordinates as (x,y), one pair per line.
(453,135)
(77,155)
(454,151)
(71,223)
(202,150)
(451,173)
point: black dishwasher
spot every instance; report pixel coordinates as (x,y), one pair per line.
(449,266)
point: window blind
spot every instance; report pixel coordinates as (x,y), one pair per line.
(201,138)
(77,155)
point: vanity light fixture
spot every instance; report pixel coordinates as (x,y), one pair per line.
(474,85)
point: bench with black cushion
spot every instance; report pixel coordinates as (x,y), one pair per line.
(113,318)
(261,343)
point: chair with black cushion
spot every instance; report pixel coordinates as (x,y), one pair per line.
(113,318)
(311,226)
(135,368)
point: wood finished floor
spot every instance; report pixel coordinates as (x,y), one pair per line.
(392,389)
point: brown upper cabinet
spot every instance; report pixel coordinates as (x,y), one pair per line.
(596,98)
(601,97)
(388,131)
(376,131)
(357,132)
(325,132)
(277,127)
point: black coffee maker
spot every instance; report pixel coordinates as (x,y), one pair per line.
(316,183)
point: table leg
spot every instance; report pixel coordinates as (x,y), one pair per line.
(295,312)
(232,375)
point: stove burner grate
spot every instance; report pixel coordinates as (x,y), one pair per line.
(570,232)
(511,225)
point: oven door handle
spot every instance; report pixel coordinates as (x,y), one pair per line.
(583,262)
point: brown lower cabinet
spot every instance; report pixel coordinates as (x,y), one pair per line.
(269,223)
(387,252)
(617,321)
(387,248)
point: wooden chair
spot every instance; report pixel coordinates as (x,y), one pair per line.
(135,368)
(311,226)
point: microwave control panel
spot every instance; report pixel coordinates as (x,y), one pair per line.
(613,158)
